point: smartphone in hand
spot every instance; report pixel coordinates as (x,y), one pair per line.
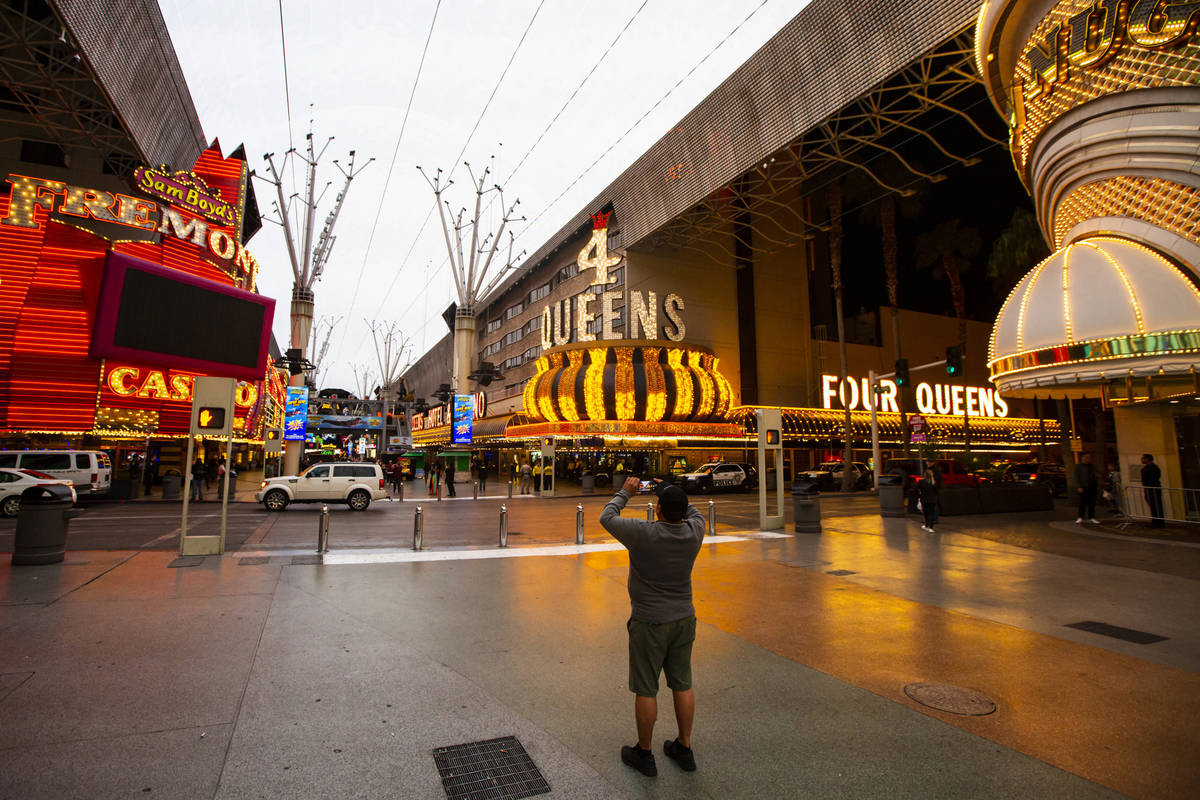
(646,485)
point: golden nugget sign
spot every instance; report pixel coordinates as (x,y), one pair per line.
(1083,50)
(158,385)
(568,320)
(932,398)
(135,212)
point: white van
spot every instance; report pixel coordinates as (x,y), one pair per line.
(89,470)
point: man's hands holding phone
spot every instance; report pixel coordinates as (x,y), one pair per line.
(635,485)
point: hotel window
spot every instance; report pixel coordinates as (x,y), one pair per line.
(494,325)
(532,353)
(490,350)
(531,326)
(567,272)
(513,311)
(596,326)
(512,363)
(539,293)
(512,337)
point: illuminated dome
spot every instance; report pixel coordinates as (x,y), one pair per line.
(1098,308)
(628,380)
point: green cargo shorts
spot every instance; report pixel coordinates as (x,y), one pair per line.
(660,648)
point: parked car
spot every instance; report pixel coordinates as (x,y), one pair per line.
(15,481)
(355,484)
(828,475)
(949,471)
(718,476)
(1049,475)
(89,471)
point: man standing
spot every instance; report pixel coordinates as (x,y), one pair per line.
(450,464)
(662,625)
(1152,483)
(197,480)
(1087,484)
(526,474)
(483,475)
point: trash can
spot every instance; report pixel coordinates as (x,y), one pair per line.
(41,536)
(588,483)
(171,483)
(806,507)
(891,496)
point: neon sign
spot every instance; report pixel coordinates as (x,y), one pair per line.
(30,193)
(161,385)
(932,398)
(187,191)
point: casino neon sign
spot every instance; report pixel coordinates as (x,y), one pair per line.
(29,193)
(161,385)
(932,398)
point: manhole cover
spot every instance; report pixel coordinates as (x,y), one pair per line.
(952,699)
(496,768)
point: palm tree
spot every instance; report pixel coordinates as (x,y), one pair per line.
(1017,249)
(835,268)
(948,250)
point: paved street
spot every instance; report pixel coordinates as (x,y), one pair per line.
(258,675)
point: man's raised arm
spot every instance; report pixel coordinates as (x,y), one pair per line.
(623,530)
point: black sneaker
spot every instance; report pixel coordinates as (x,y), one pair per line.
(639,759)
(680,755)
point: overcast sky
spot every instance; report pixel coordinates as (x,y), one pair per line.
(351,72)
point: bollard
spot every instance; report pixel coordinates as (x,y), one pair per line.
(504,526)
(712,518)
(323,531)
(510,488)
(579,524)
(418,528)
(649,512)
(439,491)
(475,491)
(400,489)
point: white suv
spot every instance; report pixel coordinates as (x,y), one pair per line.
(354,484)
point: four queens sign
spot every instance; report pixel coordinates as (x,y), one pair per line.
(464,407)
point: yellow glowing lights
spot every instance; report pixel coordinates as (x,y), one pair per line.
(656,385)
(593,383)
(683,384)
(626,401)
(566,395)
(1066,292)
(1133,300)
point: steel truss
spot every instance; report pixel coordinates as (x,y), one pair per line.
(865,136)
(41,68)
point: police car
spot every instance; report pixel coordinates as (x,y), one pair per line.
(719,476)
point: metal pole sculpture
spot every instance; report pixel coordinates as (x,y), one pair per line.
(308,259)
(390,346)
(470,267)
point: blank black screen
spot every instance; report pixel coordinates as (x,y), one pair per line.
(175,318)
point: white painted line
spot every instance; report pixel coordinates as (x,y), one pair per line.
(394,556)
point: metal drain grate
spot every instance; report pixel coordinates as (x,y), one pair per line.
(186,561)
(841,572)
(496,769)
(1117,632)
(251,561)
(300,561)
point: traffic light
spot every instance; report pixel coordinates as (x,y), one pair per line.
(271,441)
(902,372)
(211,418)
(954,360)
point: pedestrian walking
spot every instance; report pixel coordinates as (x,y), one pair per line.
(662,620)
(928,499)
(483,476)
(210,473)
(197,480)
(150,473)
(1087,486)
(1152,488)
(450,466)
(526,477)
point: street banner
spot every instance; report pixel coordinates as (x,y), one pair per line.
(344,423)
(464,409)
(296,419)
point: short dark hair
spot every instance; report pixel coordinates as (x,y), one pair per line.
(672,503)
(1147,455)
